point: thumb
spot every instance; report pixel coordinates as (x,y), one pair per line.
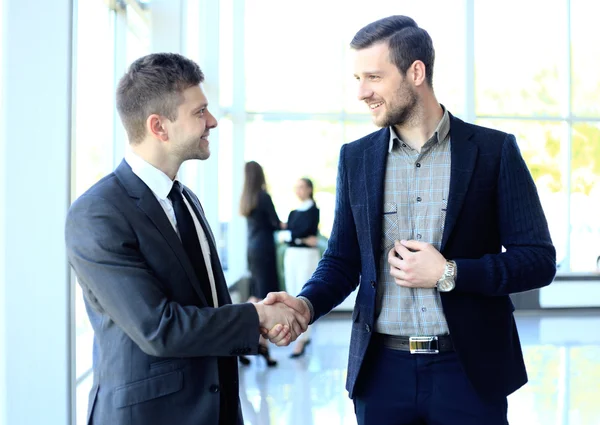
(414,245)
(272,298)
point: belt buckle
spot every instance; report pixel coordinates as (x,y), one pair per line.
(423,345)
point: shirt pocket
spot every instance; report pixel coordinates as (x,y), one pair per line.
(389,226)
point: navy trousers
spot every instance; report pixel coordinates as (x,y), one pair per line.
(398,388)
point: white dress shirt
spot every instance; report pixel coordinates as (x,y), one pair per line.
(160,184)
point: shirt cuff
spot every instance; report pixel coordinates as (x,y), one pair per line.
(310,308)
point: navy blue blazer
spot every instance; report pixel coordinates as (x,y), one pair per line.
(161,355)
(493,203)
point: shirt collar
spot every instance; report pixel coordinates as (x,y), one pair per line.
(441,131)
(156,180)
(306,205)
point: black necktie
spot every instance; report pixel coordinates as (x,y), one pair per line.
(189,239)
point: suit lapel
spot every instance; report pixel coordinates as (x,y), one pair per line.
(147,202)
(374,164)
(220,282)
(463,153)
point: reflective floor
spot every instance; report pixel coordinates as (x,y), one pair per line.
(561,349)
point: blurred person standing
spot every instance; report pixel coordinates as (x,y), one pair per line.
(437,222)
(166,336)
(257,206)
(302,255)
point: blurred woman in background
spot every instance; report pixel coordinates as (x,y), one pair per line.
(256,205)
(302,255)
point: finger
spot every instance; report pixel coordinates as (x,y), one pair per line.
(296,326)
(402,250)
(272,298)
(400,275)
(277,336)
(413,245)
(404,283)
(276,332)
(393,259)
(285,341)
(302,321)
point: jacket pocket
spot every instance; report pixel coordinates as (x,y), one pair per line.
(148,389)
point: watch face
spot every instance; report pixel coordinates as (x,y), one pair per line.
(446,285)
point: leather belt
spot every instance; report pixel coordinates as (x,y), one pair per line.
(417,344)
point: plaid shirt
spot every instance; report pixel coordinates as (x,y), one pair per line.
(415,199)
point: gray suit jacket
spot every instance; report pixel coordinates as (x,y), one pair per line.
(161,355)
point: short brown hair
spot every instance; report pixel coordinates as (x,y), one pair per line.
(153,84)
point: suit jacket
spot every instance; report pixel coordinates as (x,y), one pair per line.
(493,203)
(161,356)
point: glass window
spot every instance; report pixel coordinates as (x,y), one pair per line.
(585,197)
(311,71)
(93,121)
(585,56)
(517,74)
(138,33)
(226,53)
(288,150)
(288,66)
(227,205)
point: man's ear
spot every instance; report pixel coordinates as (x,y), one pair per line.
(155,125)
(418,73)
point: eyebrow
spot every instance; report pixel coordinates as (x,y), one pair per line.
(375,72)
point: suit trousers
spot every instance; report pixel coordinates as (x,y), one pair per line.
(399,388)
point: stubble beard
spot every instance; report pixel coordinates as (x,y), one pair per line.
(401,114)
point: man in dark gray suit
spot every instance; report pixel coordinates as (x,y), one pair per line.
(166,334)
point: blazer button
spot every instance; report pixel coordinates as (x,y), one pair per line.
(367,328)
(373,284)
(214,388)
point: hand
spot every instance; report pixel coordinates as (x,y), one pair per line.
(310,241)
(299,306)
(280,321)
(415,264)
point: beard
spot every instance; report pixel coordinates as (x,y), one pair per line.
(195,148)
(400,112)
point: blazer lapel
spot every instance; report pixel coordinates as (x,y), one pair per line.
(374,164)
(463,154)
(220,282)
(147,202)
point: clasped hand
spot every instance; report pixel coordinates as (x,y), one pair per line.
(282,318)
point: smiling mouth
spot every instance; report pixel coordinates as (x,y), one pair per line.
(373,106)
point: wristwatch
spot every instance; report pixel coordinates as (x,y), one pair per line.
(448,281)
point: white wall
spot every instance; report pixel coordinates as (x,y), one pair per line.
(35,349)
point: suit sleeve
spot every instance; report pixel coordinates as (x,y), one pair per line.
(339,270)
(529,261)
(116,280)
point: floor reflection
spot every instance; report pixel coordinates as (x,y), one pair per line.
(561,349)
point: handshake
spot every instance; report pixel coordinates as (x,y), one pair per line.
(282,318)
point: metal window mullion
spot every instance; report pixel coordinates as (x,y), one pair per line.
(470,112)
(569,136)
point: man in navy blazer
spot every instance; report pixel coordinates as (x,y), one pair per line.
(424,208)
(166,337)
